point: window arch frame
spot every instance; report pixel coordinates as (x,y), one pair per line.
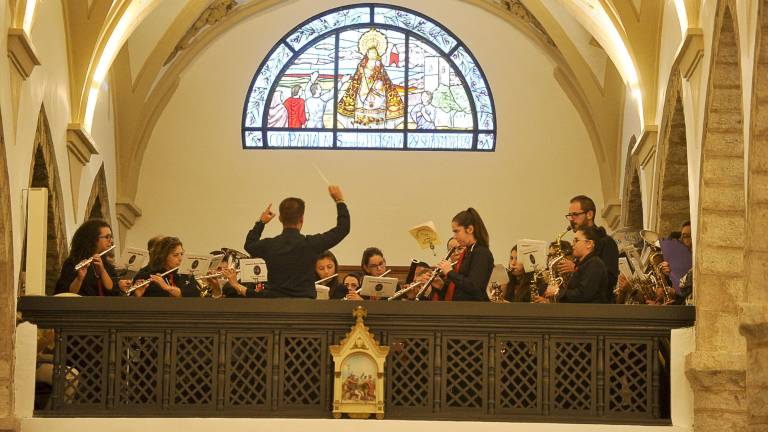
(260,126)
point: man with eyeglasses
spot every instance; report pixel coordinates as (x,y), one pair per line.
(581,213)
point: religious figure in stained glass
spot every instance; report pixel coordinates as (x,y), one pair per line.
(371,99)
(370,76)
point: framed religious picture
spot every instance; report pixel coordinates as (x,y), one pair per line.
(358,384)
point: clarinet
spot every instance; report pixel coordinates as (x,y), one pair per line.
(434,275)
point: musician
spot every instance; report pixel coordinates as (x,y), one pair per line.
(150,245)
(581,214)
(291,256)
(98,278)
(373,264)
(166,254)
(590,282)
(473,270)
(352,283)
(438,294)
(517,285)
(227,285)
(326,266)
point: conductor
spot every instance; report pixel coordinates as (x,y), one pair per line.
(291,256)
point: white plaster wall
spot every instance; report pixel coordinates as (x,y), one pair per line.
(196,181)
(49,86)
(146,36)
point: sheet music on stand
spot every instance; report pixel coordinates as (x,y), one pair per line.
(426,235)
(379,287)
(533,254)
(253,270)
(323,292)
(195,265)
(132,260)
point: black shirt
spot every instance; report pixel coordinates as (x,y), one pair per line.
(471,280)
(91,282)
(291,256)
(186,283)
(589,283)
(608,251)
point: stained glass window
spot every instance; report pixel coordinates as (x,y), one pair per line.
(370,77)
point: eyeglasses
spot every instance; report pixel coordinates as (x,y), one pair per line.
(108,237)
(379,265)
(574,214)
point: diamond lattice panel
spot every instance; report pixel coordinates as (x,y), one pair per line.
(302,370)
(464,373)
(195,370)
(628,377)
(517,374)
(248,370)
(572,365)
(409,372)
(82,375)
(139,366)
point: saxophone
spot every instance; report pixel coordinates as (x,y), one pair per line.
(552,275)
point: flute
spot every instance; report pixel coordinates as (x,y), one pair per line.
(213,275)
(87,261)
(328,278)
(147,282)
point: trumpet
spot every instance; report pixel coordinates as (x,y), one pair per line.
(212,275)
(87,261)
(148,281)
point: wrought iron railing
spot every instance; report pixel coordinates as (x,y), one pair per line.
(269,358)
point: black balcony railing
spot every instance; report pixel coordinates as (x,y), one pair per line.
(270,358)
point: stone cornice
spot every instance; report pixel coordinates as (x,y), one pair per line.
(691,52)
(645,149)
(21,52)
(80,143)
(127,213)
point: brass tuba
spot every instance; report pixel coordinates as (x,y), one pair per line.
(653,266)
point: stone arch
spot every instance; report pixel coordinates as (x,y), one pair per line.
(98,203)
(754,314)
(719,263)
(757,174)
(672,200)
(7,293)
(45,173)
(632,200)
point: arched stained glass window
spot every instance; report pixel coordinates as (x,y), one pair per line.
(370,77)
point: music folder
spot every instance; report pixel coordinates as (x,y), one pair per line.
(533,254)
(380,287)
(133,259)
(253,270)
(195,265)
(323,292)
